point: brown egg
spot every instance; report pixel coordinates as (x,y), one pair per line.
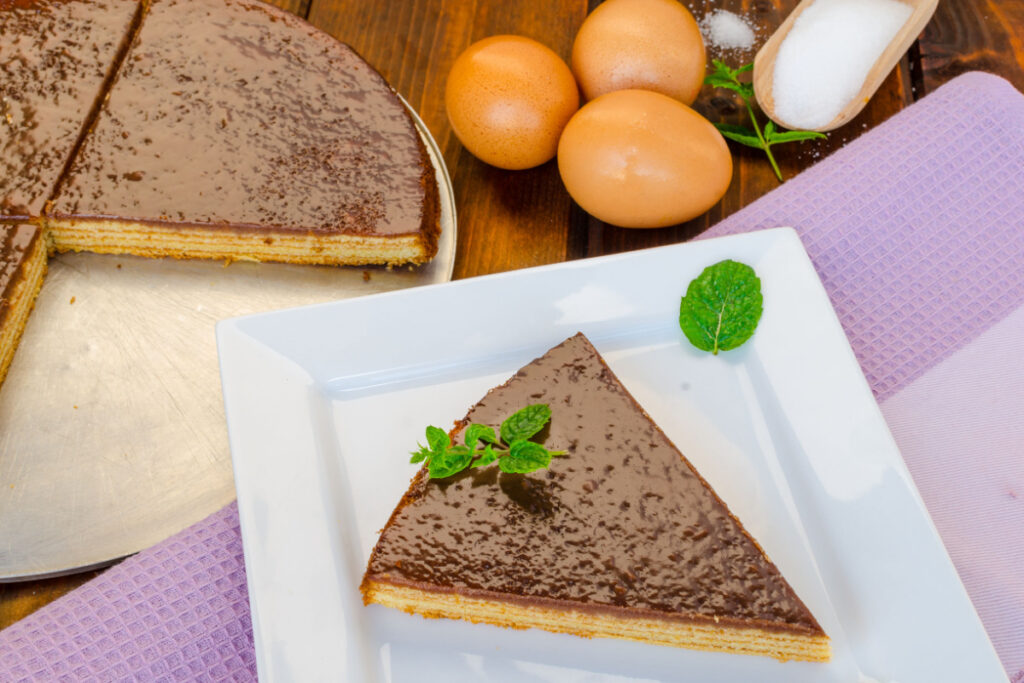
(647,44)
(508,99)
(639,159)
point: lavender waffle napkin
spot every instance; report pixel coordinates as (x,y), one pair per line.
(917,230)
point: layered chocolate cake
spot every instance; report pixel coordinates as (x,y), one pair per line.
(622,538)
(55,56)
(22,267)
(222,129)
(235,130)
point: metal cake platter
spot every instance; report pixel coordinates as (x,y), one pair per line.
(112,432)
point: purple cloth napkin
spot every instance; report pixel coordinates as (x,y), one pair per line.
(916,230)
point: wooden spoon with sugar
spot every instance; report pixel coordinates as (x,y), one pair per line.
(827,59)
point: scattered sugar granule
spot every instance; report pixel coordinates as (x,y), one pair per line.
(824,60)
(723,30)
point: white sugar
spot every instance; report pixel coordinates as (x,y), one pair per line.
(824,60)
(727,31)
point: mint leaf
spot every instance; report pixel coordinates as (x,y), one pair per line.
(451,461)
(740,134)
(525,422)
(717,80)
(514,453)
(722,307)
(745,90)
(724,77)
(419,456)
(437,439)
(478,432)
(778,137)
(525,456)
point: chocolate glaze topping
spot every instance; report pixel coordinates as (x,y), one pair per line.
(54,58)
(623,522)
(237,114)
(16,242)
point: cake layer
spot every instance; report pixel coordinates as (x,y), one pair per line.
(624,522)
(55,56)
(232,113)
(105,236)
(695,635)
(22,267)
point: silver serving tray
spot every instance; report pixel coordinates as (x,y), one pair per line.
(112,433)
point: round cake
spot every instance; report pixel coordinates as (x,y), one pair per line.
(224,129)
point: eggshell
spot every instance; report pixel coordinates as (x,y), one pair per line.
(508,99)
(647,44)
(640,159)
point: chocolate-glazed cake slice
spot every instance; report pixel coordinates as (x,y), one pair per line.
(55,56)
(22,267)
(622,538)
(235,130)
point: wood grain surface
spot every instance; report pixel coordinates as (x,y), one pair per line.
(973,35)
(510,220)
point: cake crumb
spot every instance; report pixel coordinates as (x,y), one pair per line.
(366,276)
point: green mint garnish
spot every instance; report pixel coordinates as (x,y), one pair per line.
(525,422)
(725,77)
(722,307)
(514,453)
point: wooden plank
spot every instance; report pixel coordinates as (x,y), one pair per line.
(299,7)
(968,35)
(506,220)
(752,173)
(18,600)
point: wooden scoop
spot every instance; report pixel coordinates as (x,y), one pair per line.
(764,62)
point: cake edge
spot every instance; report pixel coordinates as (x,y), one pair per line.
(729,636)
(232,243)
(22,300)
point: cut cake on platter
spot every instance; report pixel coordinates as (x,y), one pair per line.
(235,130)
(224,129)
(622,538)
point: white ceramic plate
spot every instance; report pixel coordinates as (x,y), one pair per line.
(324,403)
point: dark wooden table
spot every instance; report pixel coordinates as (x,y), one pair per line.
(509,220)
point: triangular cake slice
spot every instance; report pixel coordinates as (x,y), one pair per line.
(55,58)
(235,130)
(22,267)
(622,538)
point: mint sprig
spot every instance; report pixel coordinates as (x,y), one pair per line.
(514,452)
(728,78)
(722,307)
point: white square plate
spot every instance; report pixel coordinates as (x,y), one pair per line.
(325,402)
